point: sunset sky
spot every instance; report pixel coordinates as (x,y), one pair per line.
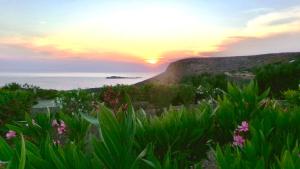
(140,35)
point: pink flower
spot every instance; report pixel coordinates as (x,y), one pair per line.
(238,140)
(11,134)
(60,126)
(244,127)
(61,130)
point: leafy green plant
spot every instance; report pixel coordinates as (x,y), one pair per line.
(179,138)
(238,105)
(292,96)
(182,133)
(77,128)
(14,105)
(117,140)
(36,129)
(78,101)
(278,77)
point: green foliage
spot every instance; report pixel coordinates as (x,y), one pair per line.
(12,87)
(179,138)
(293,96)
(14,105)
(48,156)
(273,131)
(208,85)
(77,128)
(180,133)
(6,152)
(79,101)
(155,94)
(208,81)
(176,95)
(45,94)
(117,141)
(279,77)
(239,104)
(36,129)
(290,159)
(36,91)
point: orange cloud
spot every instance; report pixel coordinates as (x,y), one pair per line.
(63,54)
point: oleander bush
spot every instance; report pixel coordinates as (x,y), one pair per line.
(271,139)
(78,101)
(239,104)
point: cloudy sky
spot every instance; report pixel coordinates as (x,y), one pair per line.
(139,35)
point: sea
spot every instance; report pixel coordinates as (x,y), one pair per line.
(69,81)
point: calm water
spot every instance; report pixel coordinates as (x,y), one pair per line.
(67,81)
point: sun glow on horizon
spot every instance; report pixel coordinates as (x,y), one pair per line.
(152,61)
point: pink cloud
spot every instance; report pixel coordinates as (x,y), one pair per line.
(281,42)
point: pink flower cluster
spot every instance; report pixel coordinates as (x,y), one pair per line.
(244,127)
(11,134)
(238,139)
(60,126)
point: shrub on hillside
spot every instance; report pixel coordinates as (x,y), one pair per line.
(208,85)
(14,104)
(209,81)
(161,96)
(12,87)
(79,101)
(36,91)
(279,77)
